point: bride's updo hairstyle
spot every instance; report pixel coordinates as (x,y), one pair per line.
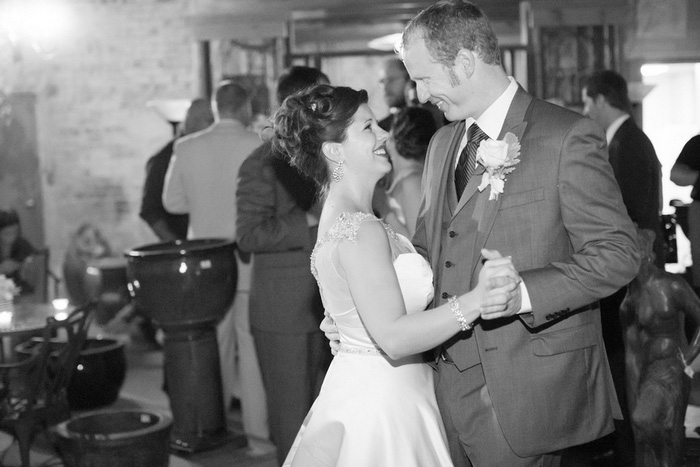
(311,117)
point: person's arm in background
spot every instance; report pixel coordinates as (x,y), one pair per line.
(685,170)
(152,210)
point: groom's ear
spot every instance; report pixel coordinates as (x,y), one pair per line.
(466,61)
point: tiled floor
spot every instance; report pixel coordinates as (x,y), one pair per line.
(142,389)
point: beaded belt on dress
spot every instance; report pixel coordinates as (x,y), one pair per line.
(359,350)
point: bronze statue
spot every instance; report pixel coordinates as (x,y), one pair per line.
(657,356)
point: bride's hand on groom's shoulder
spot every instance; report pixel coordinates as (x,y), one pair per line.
(331,331)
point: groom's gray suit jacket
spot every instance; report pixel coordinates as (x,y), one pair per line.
(562,220)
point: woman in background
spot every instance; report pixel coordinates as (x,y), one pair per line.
(14,250)
(407,145)
(86,244)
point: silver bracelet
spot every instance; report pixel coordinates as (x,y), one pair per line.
(456,310)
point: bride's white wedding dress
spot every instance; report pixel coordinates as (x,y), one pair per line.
(371,411)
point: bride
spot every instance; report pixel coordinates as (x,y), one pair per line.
(377,405)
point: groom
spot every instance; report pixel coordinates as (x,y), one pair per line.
(533,380)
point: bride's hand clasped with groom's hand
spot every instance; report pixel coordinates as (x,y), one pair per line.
(502,283)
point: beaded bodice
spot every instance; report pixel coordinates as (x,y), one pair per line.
(345,228)
(413,272)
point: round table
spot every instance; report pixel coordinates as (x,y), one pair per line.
(27,319)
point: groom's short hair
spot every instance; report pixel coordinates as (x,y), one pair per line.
(451,25)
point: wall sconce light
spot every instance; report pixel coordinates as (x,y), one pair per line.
(172,111)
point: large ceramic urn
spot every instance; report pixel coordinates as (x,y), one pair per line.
(186,287)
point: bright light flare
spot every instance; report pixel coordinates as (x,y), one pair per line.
(60,303)
(5,318)
(653,69)
(40,23)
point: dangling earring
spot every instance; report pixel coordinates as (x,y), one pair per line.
(338,172)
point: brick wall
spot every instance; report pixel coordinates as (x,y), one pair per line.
(94,131)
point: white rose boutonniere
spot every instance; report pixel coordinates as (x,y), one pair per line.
(498,157)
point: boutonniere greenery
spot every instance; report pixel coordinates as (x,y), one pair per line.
(498,158)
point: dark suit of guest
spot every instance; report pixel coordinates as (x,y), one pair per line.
(561,219)
(285,306)
(152,209)
(638,172)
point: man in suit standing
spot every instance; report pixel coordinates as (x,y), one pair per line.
(526,383)
(277,222)
(201,181)
(638,172)
(631,154)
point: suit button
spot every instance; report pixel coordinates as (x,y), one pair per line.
(452,234)
(445,295)
(448,264)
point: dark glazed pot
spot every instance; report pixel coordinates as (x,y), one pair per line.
(115,438)
(183,283)
(99,374)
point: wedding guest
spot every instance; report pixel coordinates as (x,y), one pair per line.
(14,250)
(277,222)
(201,180)
(631,154)
(86,244)
(685,173)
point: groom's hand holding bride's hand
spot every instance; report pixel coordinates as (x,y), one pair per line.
(503,295)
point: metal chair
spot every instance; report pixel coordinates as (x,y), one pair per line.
(33,387)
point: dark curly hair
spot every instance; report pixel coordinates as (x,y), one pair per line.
(450,25)
(412,128)
(311,117)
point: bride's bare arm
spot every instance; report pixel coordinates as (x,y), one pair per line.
(377,295)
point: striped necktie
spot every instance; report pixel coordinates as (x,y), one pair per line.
(467,159)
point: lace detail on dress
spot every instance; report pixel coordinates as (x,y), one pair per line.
(345,227)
